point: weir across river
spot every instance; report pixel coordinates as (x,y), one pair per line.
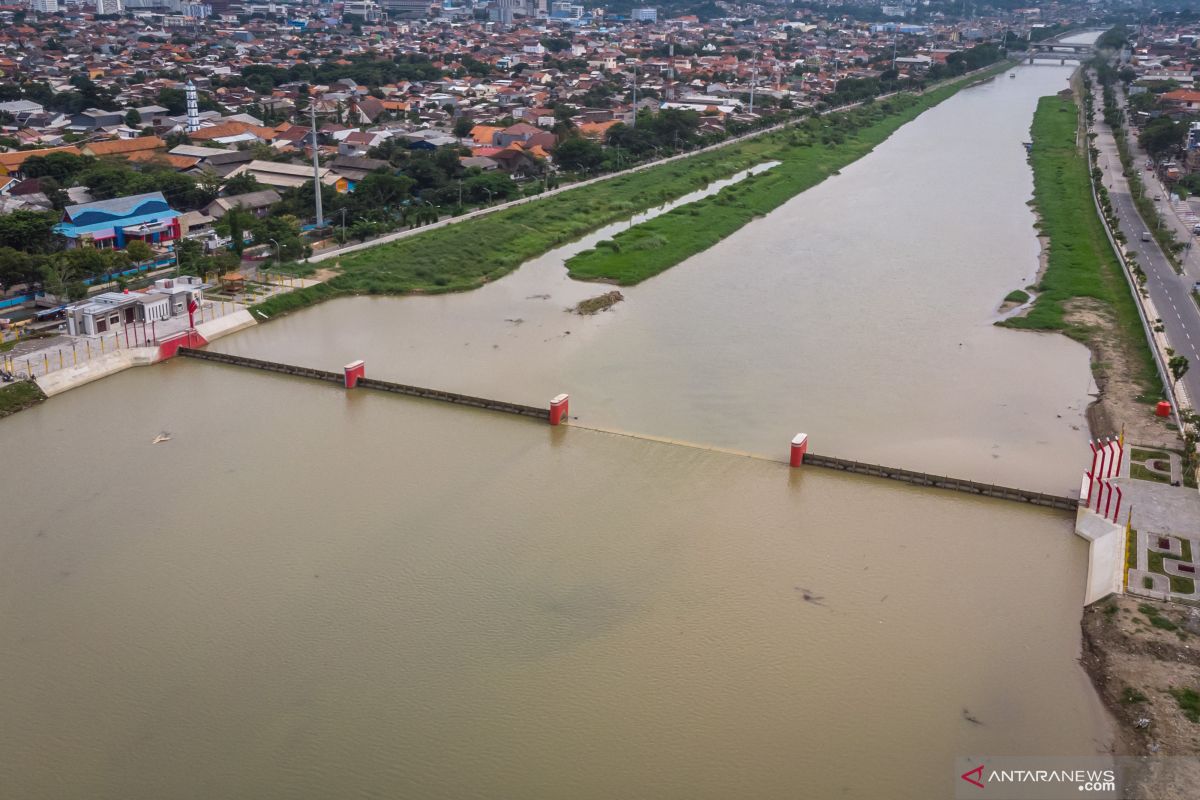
(556,411)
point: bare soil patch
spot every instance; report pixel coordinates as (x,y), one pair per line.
(1113,364)
(1134,666)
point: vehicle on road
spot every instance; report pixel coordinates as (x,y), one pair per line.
(1145,236)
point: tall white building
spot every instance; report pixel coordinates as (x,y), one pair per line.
(644,15)
(45,6)
(109,7)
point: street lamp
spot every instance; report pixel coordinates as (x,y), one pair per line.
(277,256)
(489,194)
(342,211)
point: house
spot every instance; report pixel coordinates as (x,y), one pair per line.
(354,169)
(288,176)
(357,143)
(114,223)
(11,163)
(94,118)
(485,134)
(521,132)
(122,147)
(258,203)
(112,311)
(233,132)
(1181,100)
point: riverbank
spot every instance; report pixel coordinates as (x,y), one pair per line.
(1142,658)
(472,253)
(1083,292)
(814,150)
(19,396)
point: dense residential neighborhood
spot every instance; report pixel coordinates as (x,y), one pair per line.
(153,120)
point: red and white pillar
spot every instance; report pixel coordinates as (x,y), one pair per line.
(558,409)
(799,448)
(354,371)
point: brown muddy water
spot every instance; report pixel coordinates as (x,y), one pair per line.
(309,593)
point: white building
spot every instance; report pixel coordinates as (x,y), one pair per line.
(45,6)
(109,7)
(644,15)
(366,10)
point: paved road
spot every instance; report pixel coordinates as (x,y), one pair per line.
(1169,292)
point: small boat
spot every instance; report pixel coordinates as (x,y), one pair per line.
(1012,74)
(162,437)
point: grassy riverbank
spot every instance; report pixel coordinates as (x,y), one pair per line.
(18,396)
(808,154)
(1083,292)
(469,254)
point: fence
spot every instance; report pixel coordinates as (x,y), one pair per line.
(81,350)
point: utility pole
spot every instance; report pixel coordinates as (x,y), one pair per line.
(753,83)
(312,108)
(895,36)
(670,87)
(634,123)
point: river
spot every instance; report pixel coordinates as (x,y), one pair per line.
(309,593)
(861,312)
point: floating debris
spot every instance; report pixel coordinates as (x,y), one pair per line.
(594,305)
(809,597)
(162,437)
(970,718)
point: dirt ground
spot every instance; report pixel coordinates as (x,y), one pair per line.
(1112,366)
(1133,665)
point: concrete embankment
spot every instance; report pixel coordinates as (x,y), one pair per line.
(62,380)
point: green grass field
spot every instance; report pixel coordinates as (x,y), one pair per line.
(19,395)
(469,254)
(1081,262)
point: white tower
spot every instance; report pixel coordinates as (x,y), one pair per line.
(193,109)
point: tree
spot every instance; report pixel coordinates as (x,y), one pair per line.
(1162,136)
(31,231)
(139,252)
(579,154)
(1178,366)
(463,126)
(379,190)
(133,118)
(283,229)
(241,184)
(233,225)
(17,267)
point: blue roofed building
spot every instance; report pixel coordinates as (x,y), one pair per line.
(115,223)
